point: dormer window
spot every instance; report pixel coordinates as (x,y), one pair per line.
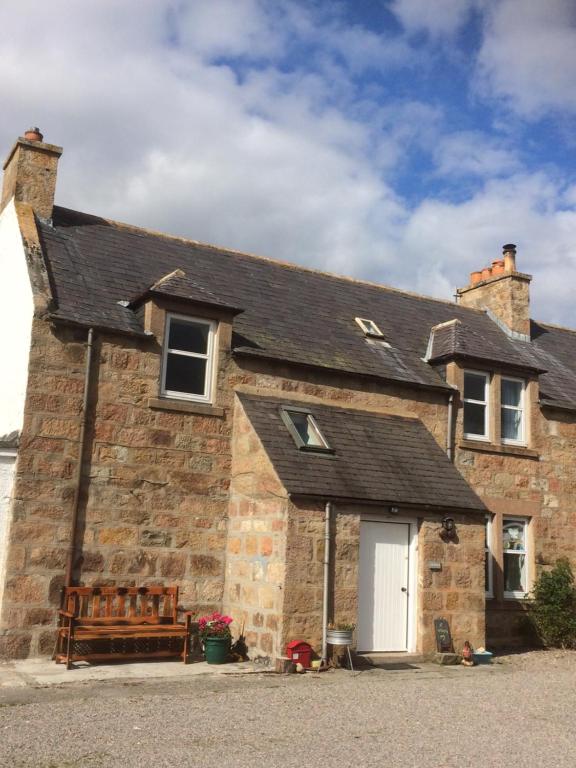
(304,429)
(188,358)
(369,327)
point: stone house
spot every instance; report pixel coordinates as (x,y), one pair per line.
(178,413)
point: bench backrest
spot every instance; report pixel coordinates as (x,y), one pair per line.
(123,605)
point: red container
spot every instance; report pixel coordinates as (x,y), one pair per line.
(300,653)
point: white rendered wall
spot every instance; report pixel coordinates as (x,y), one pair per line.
(7,465)
(16,311)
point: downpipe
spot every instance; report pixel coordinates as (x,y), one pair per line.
(327,528)
(450,427)
(78,475)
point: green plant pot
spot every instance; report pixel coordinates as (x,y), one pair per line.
(216,649)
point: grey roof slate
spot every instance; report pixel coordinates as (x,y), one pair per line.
(178,285)
(377,458)
(289,313)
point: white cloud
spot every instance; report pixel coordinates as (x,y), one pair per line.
(524,209)
(471,153)
(292,162)
(528,55)
(437,17)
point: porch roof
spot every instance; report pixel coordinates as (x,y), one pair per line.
(375,458)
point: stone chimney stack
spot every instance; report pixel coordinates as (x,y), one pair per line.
(502,290)
(30,173)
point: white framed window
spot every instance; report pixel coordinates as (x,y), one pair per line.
(188,358)
(476,397)
(512,426)
(515,556)
(369,327)
(304,429)
(488,558)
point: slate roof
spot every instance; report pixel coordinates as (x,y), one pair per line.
(377,458)
(290,313)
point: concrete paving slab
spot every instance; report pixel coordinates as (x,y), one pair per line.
(45,672)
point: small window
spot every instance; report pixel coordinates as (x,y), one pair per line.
(512,411)
(515,551)
(476,405)
(369,327)
(488,566)
(188,357)
(304,429)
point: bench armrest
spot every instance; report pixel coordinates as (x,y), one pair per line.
(66,614)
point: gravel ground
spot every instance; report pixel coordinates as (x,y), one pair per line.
(519,712)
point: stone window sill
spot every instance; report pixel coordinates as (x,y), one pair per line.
(507,450)
(184,406)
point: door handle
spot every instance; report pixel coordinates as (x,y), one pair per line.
(404,589)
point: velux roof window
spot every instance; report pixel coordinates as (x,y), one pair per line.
(304,429)
(369,327)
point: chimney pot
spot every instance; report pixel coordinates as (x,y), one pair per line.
(509,251)
(475,277)
(486,273)
(33,134)
(498,267)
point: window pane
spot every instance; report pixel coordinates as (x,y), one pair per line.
(188,336)
(474,419)
(474,386)
(185,374)
(514,573)
(511,393)
(513,535)
(305,428)
(511,424)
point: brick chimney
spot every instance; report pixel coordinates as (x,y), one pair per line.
(502,290)
(30,173)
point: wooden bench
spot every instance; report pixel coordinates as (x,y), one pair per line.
(100,623)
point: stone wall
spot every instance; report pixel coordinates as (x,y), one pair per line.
(154,500)
(538,483)
(256,545)
(455,593)
(154,505)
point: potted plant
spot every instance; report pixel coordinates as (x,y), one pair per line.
(340,633)
(216,637)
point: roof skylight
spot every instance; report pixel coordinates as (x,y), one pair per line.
(369,327)
(304,429)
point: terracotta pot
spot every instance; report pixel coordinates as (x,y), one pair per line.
(498,267)
(475,277)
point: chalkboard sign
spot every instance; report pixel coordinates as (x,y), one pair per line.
(443,636)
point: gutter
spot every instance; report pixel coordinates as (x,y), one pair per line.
(78,476)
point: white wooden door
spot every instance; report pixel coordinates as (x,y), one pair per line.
(383,602)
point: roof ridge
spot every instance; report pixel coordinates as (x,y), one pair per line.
(279,262)
(554,325)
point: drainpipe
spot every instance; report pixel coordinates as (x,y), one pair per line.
(78,477)
(327,522)
(449,451)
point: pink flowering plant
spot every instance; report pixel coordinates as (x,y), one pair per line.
(215,625)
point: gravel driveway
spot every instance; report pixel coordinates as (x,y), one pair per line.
(519,712)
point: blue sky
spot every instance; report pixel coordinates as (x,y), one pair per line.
(400,141)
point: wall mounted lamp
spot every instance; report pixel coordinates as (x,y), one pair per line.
(448,528)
